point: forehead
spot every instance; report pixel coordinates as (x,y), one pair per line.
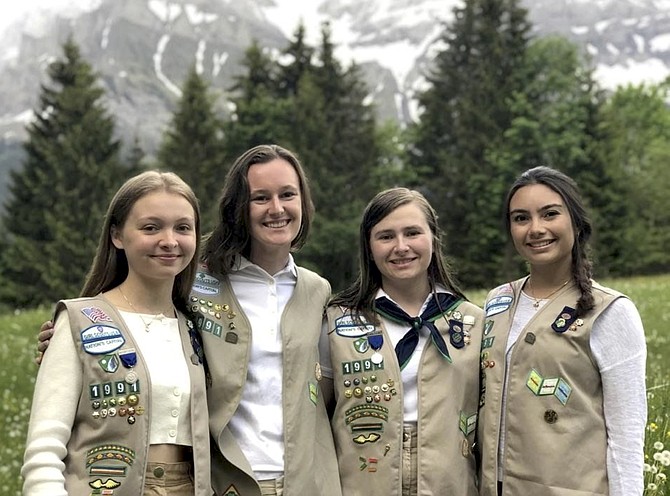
(160,204)
(534,196)
(276,173)
(407,215)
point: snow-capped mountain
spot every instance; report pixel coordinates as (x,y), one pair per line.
(142,49)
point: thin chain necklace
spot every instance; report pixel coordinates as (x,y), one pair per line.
(536,301)
(139,314)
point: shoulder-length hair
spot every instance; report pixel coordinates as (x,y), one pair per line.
(231,236)
(359,297)
(110,265)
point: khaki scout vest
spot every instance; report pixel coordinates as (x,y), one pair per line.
(555,440)
(368,418)
(109,443)
(310,466)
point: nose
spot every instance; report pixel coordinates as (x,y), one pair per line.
(536,225)
(401,244)
(276,207)
(169,240)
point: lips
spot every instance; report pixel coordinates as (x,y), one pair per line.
(540,244)
(166,257)
(277,224)
(402,261)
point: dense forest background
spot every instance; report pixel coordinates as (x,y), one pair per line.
(498,101)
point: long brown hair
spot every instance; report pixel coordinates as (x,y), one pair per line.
(110,265)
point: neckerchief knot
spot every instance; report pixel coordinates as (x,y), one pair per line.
(439,304)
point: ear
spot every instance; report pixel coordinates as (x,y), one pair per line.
(116,238)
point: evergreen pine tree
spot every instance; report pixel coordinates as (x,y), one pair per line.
(260,111)
(465,113)
(308,103)
(59,197)
(334,130)
(193,145)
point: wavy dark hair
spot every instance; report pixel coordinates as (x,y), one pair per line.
(110,265)
(232,237)
(566,187)
(359,297)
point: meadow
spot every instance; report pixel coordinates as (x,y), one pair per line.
(651,295)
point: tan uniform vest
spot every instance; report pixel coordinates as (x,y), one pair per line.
(368,418)
(310,466)
(110,438)
(555,439)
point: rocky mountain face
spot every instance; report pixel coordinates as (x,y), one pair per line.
(142,50)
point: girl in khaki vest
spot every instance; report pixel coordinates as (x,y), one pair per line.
(120,405)
(260,319)
(259,316)
(563,360)
(404,360)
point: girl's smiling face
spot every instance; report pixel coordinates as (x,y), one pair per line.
(541,227)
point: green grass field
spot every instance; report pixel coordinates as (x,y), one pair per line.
(651,295)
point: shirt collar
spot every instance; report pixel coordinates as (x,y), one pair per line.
(242,263)
(438,289)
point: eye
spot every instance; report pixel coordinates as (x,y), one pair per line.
(185,227)
(150,228)
(289,194)
(551,213)
(259,198)
(516,218)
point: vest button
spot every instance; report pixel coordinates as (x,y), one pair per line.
(159,472)
(550,416)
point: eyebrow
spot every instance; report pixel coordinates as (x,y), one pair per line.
(541,209)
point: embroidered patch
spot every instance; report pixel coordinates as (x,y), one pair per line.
(369,463)
(366,411)
(231,491)
(498,305)
(488,326)
(208,325)
(96,314)
(108,484)
(467,423)
(555,386)
(563,391)
(487,342)
(361,345)
(206,284)
(109,452)
(358,366)
(101,339)
(313,392)
(363,439)
(109,363)
(107,470)
(367,427)
(348,327)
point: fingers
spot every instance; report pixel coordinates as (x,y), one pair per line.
(38,358)
(46,326)
(42,345)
